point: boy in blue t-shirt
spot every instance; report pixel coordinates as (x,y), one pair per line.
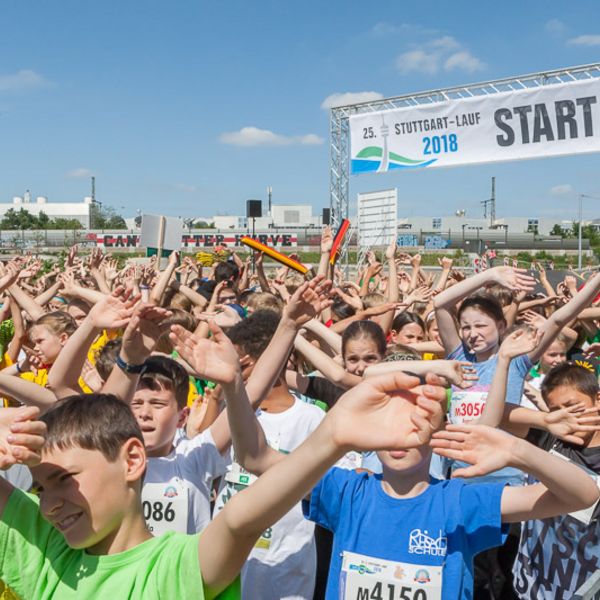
(396,535)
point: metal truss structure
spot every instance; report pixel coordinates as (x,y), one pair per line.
(339,125)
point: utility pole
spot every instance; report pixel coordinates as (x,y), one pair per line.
(270,196)
(93,205)
(491,202)
(579,252)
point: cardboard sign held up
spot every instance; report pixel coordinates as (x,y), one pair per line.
(162,233)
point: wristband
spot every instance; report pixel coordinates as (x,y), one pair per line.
(127,368)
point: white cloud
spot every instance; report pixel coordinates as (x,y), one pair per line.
(310,139)
(418,60)
(463,61)
(446,42)
(22,80)
(346,98)
(585,40)
(80,173)
(562,190)
(555,26)
(253,136)
(444,53)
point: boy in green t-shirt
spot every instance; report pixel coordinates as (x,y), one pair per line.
(86,537)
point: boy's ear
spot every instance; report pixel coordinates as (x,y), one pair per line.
(183,415)
(134,454)
(63,337)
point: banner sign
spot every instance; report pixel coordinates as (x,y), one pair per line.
(202,240)
(550,120)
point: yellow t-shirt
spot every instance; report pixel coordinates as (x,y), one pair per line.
(101,341)
(41,378)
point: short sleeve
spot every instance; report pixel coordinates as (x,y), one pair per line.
(458,353)
(480,505)
(523,364)
(27,540)
(326,498)
(207,458)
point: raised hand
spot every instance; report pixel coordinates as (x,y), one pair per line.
(415,261)
(421,294)
(446,263)
(380,309)
(326,240)
(173,258)
(308,301)
(21,436)
(520,341)
(10,274)
(513,279)
(390,412)
(142,333)
(462,374)
(215,359)
(485,448)
(96,258)
(113,311)
(565,423)
(70,260)
(390,252)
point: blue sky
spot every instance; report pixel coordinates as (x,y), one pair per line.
(191,107)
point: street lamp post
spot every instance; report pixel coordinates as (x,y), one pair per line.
(581,197)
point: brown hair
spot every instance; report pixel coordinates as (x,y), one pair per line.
(265,301)
(162,372)
(364,329)
(484,303)
(57,322)
(571,375)
(99,422)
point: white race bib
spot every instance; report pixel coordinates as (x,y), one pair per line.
(368,578)
(466,406)
(585,514)
(165,507)
(239,475)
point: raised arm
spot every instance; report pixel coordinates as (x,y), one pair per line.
(384,414)
(26,302)
(27,392)
(393,291)
(113,311)
(194,297)
(445,303)
(518,342)
(559,319)
(163,280)
(563,487)
(325,364)
(26,435)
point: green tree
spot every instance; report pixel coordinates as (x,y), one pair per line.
(105,217)
(557,230)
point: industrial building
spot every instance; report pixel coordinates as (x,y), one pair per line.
(65,210)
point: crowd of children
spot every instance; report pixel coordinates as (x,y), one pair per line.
(228,432)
